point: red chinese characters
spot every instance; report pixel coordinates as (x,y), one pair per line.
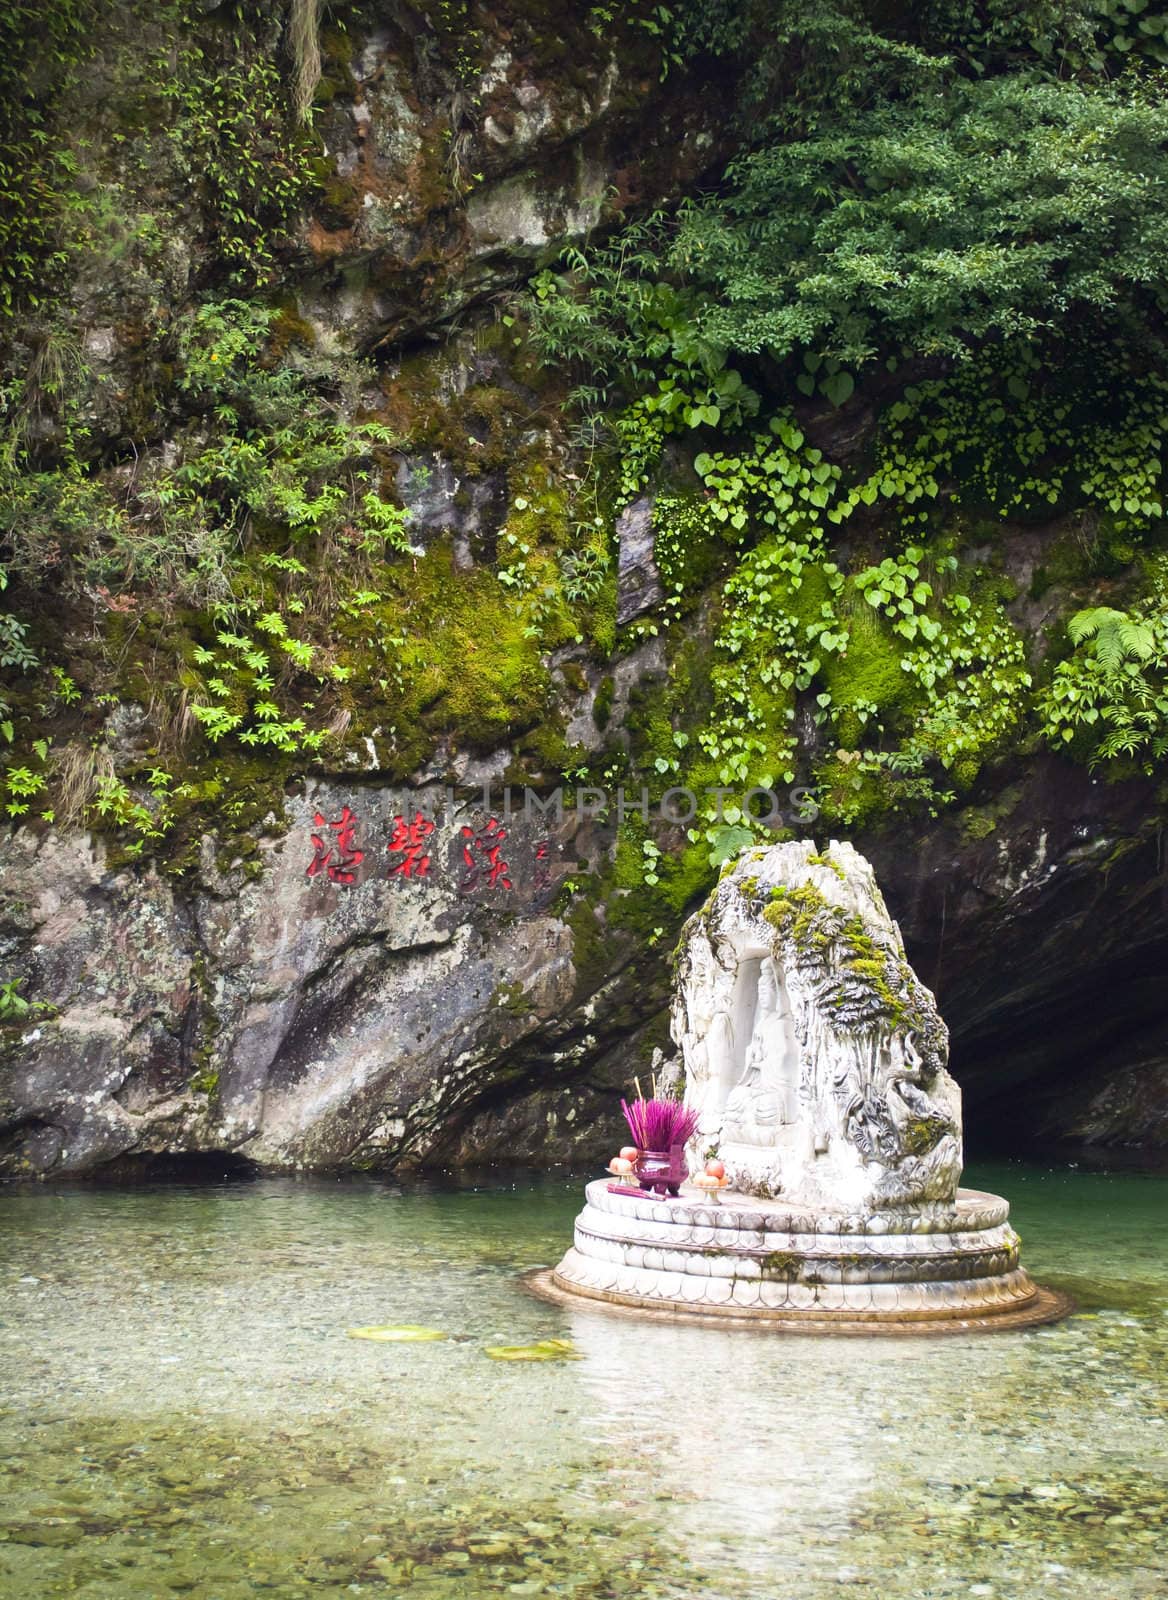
(482,853)
(343,848)
(409,845)
(542,875)
(412,852)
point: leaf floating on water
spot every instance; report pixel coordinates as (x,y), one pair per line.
(545,1350)
(402,1333)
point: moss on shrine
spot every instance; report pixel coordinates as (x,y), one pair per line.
(824,858)
(781,1264)
(804,916)
(792,912)
(921,1134)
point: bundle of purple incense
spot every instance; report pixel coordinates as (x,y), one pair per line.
(660,1124)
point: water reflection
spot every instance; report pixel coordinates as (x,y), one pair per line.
(750,1440)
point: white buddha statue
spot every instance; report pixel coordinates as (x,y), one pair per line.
(766,1095)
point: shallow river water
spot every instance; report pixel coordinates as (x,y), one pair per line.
(183,1412)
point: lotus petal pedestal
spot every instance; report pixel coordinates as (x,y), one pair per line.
(944,1267)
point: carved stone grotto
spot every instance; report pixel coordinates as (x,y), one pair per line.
(817,1062)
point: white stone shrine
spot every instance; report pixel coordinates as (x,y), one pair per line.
(817,1062)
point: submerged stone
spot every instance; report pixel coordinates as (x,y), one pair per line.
(545,1350)
(405,1333)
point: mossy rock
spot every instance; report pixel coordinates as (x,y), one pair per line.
(445,653)
(401,1333)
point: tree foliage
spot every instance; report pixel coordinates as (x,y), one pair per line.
(1003,207)
(958,210)
(901,196)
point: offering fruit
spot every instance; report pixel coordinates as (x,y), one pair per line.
(716,1169)
(621,1166)
(629,1152)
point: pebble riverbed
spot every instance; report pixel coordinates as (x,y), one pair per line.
(182,1411)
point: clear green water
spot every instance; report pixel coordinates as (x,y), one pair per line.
(183,1413)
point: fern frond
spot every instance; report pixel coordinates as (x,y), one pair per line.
(1085,624)
(1137,638)
(1114,636)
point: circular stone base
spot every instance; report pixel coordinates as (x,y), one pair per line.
(761,1263)
(1046,1305)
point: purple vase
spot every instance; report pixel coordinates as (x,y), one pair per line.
(662,1171)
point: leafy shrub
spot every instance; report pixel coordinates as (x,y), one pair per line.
(997,209)
(1110,696)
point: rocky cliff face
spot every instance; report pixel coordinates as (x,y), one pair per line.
(292,1018)
(222,998)
(294,1021)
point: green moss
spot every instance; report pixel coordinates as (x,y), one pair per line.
(336,46)
(538,509)
(792,912)
(428,404)
(863,798)
(690,548)
(686,877)
(977,824)
(781,1264)
(598,620)
(868,674)
(206,1082)
(963,773)
(602,705)
(513,999)
(628,867)
(591,956)
(980,822)
(649,724)
(922,1134)
(1040,581)
(337,201)
(206,1078)
(825,859)
(654,911)
(451,656)
(605,939)
(808,920)
(230,794)
(873,970)
(544,749)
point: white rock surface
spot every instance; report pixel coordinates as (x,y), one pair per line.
(815,1055)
